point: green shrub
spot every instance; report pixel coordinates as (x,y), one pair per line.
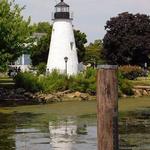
(124,86)
(78,83)
(28,81)
(3,68)
(84,82)
(54,82)
(41,68)
(131,72)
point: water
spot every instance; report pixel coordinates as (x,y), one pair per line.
(66,126)
(61,136)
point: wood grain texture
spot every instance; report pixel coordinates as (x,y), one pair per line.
(107,109)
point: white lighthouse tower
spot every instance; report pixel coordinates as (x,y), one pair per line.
(62,53)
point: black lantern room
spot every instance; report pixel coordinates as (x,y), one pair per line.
(62,11)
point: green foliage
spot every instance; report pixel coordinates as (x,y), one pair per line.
(43,27)
(28,81)
(80,40)
(14,32)
(54,82)
(131,72)
(3,68)
(93,53)
(84,82)
(124,86)
(39,52)
(127,39)
(41,68)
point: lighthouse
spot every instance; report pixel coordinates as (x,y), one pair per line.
(62,53)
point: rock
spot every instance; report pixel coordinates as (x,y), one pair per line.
(145,92)
(84,96)
(137,92)
(49,97)
(70,95)
(57,99)
(77,94)
(12,92)
(20,91)
(59,94)
(28,94)
(124,96)
(148,92)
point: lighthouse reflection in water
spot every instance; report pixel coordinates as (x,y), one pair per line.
(70,136)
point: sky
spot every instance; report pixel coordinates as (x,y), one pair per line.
(90,16)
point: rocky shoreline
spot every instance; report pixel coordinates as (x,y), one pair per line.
(12,97)
(141,91)
(22,97)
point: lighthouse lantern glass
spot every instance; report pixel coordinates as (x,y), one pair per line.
(62,9)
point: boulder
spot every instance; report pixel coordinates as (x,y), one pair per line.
(70,95)
(124,96)
(137,93)
(49,97)
(20,91)
(77,94)
(84,96)
(28,94)
(148,92)
(145,92)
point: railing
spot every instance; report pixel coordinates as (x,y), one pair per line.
(62,15)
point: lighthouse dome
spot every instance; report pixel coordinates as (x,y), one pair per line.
(62,4)
(62,11)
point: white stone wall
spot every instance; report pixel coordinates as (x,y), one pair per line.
(63,45)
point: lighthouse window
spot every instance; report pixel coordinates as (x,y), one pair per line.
(58,9)
(71,45)
(62,9)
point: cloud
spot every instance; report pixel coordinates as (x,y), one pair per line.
(90,16)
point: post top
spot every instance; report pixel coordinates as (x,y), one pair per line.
(107,67)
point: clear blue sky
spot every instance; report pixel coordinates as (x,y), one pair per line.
(90,16)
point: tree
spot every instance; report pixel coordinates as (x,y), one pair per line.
(127,40)
(43,27)
(93,52)
(14,32)
(39,52)
(80,39)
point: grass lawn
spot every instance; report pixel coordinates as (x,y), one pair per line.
(6,82)
(142,81)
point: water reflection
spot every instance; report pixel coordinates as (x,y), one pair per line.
(66,136)
(61,136)
(33,131)
(31,139)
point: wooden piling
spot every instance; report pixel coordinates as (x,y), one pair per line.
(107,107)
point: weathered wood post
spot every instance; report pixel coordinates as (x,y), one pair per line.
(107,107)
